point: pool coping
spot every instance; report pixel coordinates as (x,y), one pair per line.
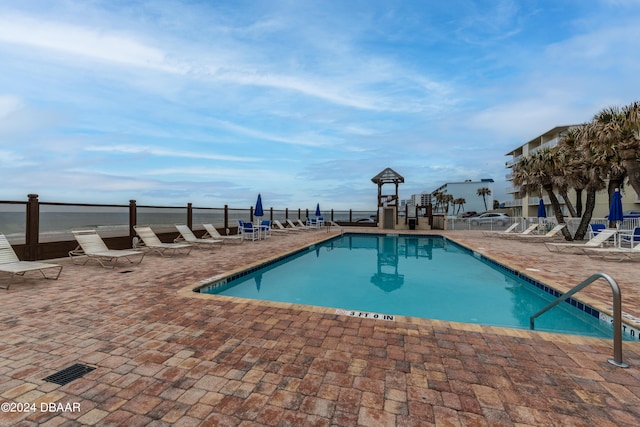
(591,308)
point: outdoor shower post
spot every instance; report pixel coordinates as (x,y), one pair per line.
(190,216)
(133,215)
(32,231)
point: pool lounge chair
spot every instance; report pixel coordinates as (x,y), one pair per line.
(594,229)
(300,227)
(305,226)
(212,233)
(493,233)
(91,246)
(578,248)
(526,232)
(10,263)
(281,228)
(151,242)
(551,235)
(187,235)
(615,254)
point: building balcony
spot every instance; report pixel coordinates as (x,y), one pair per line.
(513,203)
(512,190)
(513,161)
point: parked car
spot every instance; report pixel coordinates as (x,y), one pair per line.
(366,220)
(499,219)
(469,214)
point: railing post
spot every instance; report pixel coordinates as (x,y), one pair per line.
(251,214)
(190,216)
(226,216)
(32,231)
(299,213)
(271,214)
(350,215)
(331,214)
(286,213)
(133,220)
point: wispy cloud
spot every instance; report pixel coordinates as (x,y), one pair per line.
(155,151)
(298,100)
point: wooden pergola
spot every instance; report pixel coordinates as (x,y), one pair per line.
(387,176)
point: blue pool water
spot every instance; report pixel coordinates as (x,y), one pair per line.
(428,277)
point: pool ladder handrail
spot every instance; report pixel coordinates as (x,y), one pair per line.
(617,313)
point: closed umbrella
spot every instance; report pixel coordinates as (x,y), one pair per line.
(318,213)
(542,212)
(259,212)
(615,209)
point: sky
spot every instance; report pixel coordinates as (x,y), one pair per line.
(212,102)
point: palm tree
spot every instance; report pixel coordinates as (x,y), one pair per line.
(630,143)
(607,125)
(437,196)
(574,172)
(534,173)
(460,201)
(484,192)
(446,199)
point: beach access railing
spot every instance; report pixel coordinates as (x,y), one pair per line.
(43,230)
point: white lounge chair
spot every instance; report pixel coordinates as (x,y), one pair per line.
(509,229)
(150,241)
(281,227)
(213,233)
(300,227)
(305,226)
(579,248)
(91,246)
(10,263)
(187,235)
(526,232)
(615,254)
(552,234)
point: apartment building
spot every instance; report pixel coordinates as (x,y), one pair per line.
(468,190)
(528,206)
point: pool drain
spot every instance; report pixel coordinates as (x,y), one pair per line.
(69,374)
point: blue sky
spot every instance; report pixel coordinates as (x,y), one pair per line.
(213,102)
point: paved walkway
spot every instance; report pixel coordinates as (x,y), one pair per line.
(163,356)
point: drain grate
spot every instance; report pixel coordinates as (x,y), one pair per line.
(69,374)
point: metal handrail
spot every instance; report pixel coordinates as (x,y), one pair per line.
(617,313)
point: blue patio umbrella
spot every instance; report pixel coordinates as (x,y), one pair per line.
(615,209)
(258,211)
(542,212)
(318,213)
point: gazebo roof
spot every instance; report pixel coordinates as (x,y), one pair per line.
(387,176)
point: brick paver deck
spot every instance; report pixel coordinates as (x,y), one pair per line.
(166,356)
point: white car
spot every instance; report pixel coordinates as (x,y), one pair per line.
(496,218)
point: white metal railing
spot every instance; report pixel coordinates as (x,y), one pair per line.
(513,203)
(513,161)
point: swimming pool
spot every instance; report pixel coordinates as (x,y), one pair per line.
(384,276)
